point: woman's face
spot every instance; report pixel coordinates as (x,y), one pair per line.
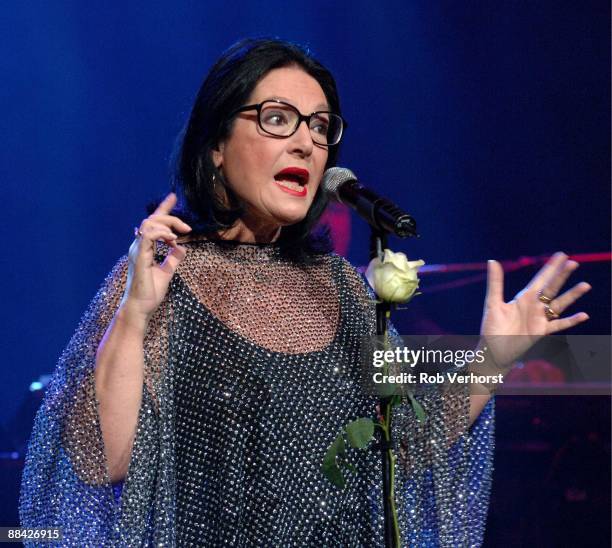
(252,161)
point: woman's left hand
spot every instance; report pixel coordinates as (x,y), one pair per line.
(512,328)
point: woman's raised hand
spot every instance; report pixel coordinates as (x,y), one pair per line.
(512,328)
(148,281)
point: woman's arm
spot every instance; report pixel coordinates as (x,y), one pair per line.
(119,372)
(119,377)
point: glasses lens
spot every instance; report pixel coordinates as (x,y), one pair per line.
(281,119)
(326,128)
(278,119)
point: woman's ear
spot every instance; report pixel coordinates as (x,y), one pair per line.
(217,155)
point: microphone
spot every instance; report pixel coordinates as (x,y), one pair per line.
(341,185)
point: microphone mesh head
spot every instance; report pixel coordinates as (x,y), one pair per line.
(333,178)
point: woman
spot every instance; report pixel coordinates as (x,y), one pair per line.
(195,402)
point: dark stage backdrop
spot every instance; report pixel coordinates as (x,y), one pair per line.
(488,121)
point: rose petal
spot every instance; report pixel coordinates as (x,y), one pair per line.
(395,278)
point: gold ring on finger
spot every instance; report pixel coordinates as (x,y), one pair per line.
(543,298)
(550,313)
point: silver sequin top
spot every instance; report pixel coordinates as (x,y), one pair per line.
(252,368)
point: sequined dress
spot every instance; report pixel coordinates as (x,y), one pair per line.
(252,367)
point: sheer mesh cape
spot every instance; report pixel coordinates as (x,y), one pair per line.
(252,367)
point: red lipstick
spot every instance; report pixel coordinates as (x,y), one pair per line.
(302,192)
(296,175)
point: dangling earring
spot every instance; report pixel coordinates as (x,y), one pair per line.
(219,189)
(217,186)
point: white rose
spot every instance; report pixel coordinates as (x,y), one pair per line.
(395,278)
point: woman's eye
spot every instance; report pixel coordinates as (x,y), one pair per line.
(275,118)
(320,126)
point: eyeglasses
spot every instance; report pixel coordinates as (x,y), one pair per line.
(281,119)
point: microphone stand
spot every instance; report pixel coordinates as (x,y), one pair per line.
(378,242)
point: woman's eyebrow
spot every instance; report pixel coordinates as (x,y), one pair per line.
(320,106)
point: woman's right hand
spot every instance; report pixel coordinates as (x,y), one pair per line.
(148,281)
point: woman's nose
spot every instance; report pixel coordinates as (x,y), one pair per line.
(301,140)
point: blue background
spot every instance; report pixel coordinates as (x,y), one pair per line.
(488,121)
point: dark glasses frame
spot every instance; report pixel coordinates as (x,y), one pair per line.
(300,118)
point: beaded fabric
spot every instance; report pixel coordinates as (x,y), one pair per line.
(252,367)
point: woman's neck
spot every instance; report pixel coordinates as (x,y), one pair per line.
(251,232)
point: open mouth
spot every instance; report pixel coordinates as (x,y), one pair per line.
(293,179)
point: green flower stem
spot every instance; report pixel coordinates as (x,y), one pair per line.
(392,459)
(386,428)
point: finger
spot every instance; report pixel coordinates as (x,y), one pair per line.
(546,273)
(145,249)
(152,231)
(559,278)
(170,221)
(495,283)
(166,204)
(173,259)
(569,297)
(167,222)
(566,323)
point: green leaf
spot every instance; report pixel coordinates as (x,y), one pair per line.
(332,473)
(386,389)
(360,432)
(418,409)
(330,467)
(395,400)
(336,448)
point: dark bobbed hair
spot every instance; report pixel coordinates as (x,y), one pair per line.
(227,87)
